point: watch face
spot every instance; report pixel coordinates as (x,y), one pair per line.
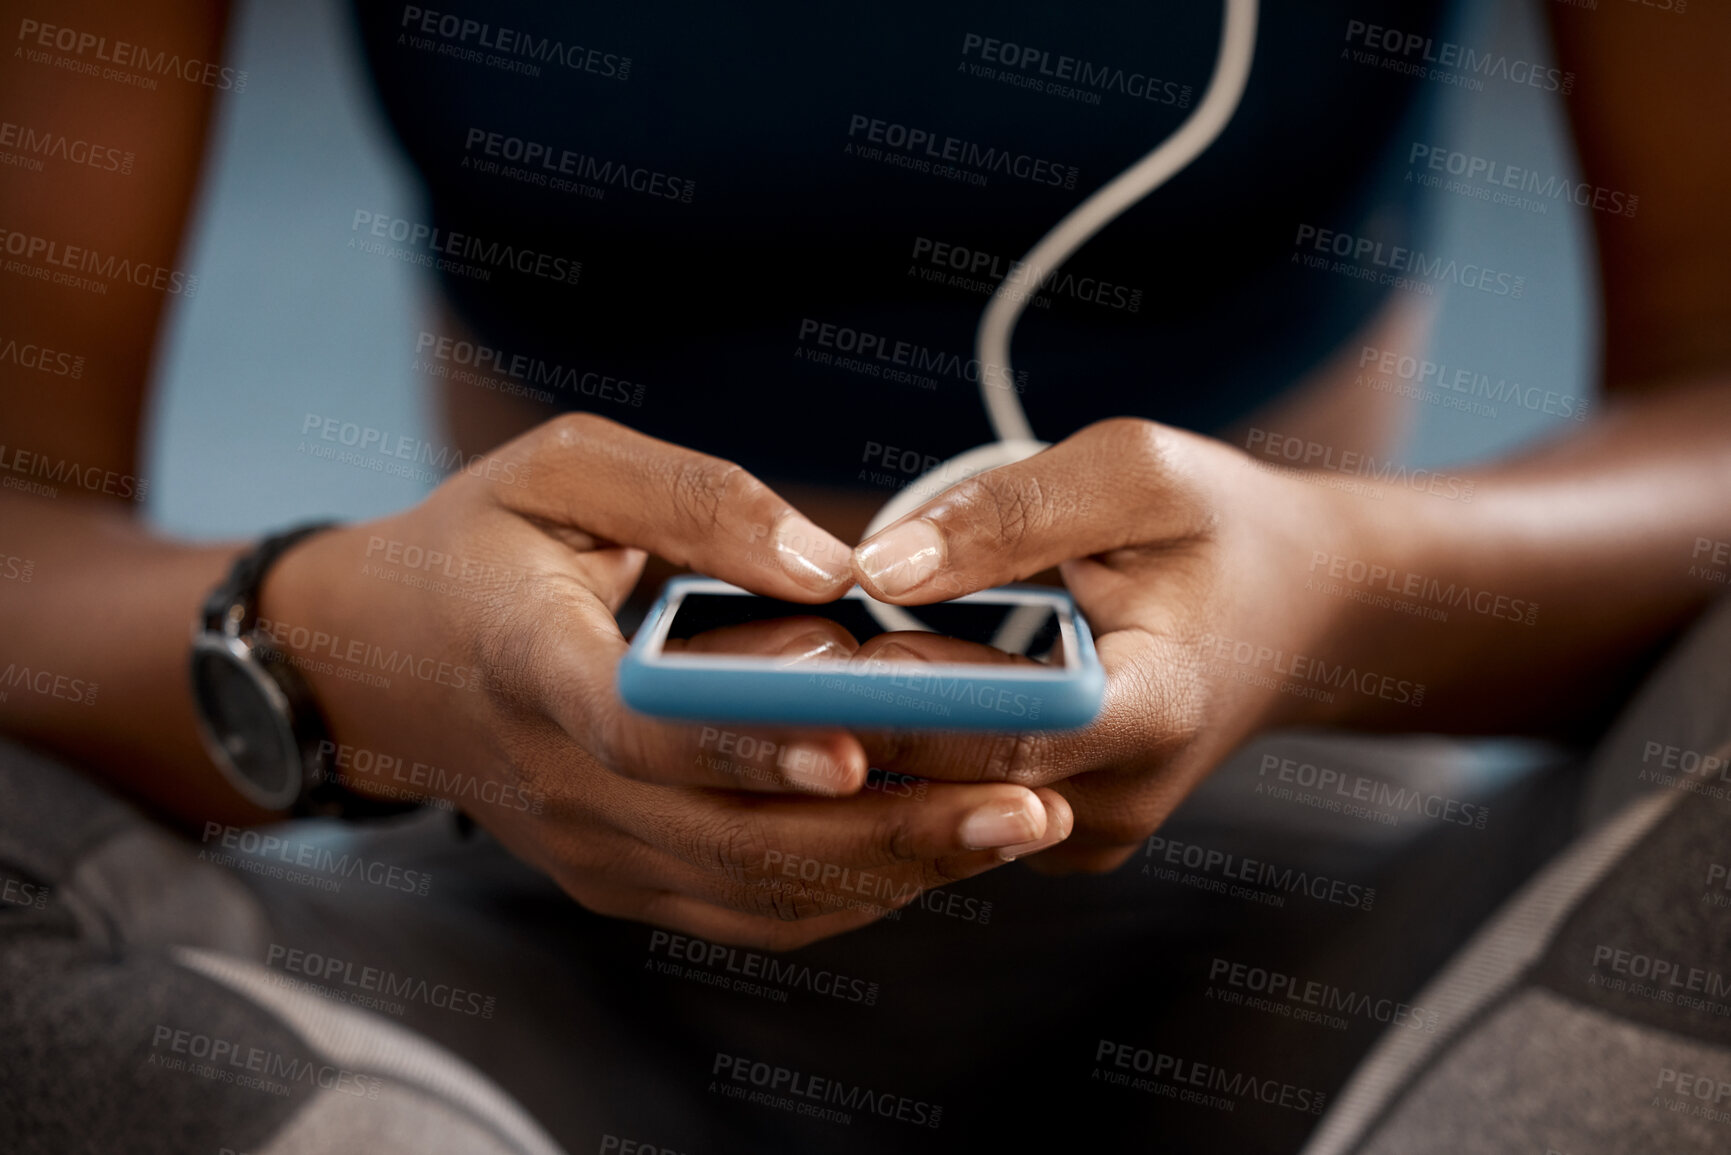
(246,723)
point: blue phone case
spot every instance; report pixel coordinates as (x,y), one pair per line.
(835,693)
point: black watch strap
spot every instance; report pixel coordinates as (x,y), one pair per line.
(232,608)
(326,796)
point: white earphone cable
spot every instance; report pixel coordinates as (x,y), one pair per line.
(1016,438)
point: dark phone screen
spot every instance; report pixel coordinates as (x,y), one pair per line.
(736,625)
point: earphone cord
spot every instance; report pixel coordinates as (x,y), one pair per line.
(998,322)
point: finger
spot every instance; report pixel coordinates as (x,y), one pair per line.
(827,763)
(1115,811)
(804,637)
(814,877)
(595,479)
(560,658)
(1147,709)
(612,573)
(1060,824)
(1117,483)
(728,757)
(752,837)
(792,886)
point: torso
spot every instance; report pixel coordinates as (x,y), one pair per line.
(803,306)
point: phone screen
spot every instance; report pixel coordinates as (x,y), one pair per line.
(982,632)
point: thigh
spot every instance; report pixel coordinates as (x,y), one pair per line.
(1247,958)
(133,1019)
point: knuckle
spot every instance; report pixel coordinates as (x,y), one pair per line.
(1132,444)
(1016,758)
(1157,464)
(738,849)
(611,744)
(786,901)
(1131,439)
(887,750)
(1019,502)
(521,672)
(548,455)
(1144,451)
(1120,427)
(572,431)
(1165,698)
(896,836)
(699,487)
(1178,683)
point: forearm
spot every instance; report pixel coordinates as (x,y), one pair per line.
(95,656)
(1594,538)
(94,646)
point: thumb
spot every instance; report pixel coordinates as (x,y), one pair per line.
(1114,484)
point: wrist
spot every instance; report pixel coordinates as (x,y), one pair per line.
(303,609)
(397,701)
(1361,582)
(1314,605)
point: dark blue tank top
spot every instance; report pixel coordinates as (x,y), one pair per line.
(768,233)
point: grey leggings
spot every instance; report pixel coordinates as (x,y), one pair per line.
(401,988)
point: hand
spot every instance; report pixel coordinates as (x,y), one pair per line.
(1189,562)
(489,609)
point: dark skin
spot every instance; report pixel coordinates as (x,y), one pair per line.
(1178,547)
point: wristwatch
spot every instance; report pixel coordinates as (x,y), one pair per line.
(256,714)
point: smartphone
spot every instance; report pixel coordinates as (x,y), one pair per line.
(1016,658)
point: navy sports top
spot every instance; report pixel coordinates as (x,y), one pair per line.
(768,233)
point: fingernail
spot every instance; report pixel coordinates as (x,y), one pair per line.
(903,557)
(810,647)
(814,558)
(813,768)
(1054,835)
(1002,823)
